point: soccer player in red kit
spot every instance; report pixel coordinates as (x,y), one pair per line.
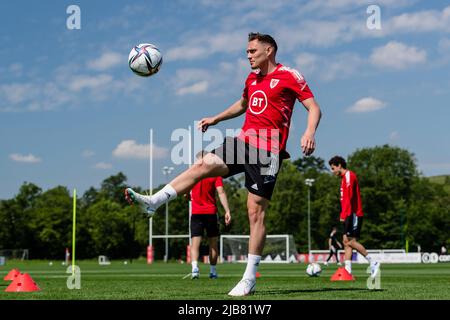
(205,218)
(268,99)
(351,214)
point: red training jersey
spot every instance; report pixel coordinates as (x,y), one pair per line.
(350,195)
(271,100)
(203,195)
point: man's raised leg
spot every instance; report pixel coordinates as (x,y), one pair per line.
(209,166)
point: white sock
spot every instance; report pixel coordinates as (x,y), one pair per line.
(369,259)
(212,269)
(252,267)
(194,265)
(164,195)
(348,266)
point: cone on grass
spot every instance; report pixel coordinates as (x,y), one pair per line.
(258,274)
(23,283)
(342,275)
(14,273)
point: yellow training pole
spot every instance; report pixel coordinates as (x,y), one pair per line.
(74,221)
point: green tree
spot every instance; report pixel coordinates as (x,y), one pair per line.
(386,176)
(50,223)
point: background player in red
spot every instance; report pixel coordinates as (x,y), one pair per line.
(270,92)
(351,214)
(205,218)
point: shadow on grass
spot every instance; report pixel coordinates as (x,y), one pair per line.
(294,291)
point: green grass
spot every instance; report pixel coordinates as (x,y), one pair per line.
(164,281)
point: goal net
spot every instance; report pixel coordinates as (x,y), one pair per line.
(279,248)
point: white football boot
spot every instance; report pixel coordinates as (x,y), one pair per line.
(143,201)
(245,287)
(195,273)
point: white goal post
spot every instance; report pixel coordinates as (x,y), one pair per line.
(279,248)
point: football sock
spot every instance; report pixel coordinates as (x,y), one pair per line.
(164,195)
(368,258)
(348,266)
(212,269)
(252,267)
(194,265)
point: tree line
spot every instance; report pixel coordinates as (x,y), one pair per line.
(400,205)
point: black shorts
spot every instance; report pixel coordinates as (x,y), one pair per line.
(352,225)
(261,167)
(202,222)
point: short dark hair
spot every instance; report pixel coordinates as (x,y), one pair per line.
(263,38)
(337,160)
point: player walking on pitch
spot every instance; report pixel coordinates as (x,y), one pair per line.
(333,244)
(205,217)
(268,99)
(351,214)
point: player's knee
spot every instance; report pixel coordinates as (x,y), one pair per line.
(346,242)
(255,216)
(201,170)
(208,166)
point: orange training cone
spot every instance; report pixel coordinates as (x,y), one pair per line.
(23,283)
(14,273)
(258,274)
(342,275)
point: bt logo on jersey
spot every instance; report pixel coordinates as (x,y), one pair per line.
(258,102)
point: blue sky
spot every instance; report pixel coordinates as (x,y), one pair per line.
(72,113)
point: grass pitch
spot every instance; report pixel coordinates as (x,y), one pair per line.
(164,281)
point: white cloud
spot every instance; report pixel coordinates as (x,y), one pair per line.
(367,104)
(196,88)
(306,62)
(397,55)
(204,45)
(18,92)
(30,158)
(192,81)
(190,75)
(106,61)
(331,6)
(88,153)
(65,88)
(340,66)
(394,136)
(329,68)
(103,166)
(129,149)
(185,53)
(421,21)
(90,82)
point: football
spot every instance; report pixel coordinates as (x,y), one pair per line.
(313,269)
(145,59)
